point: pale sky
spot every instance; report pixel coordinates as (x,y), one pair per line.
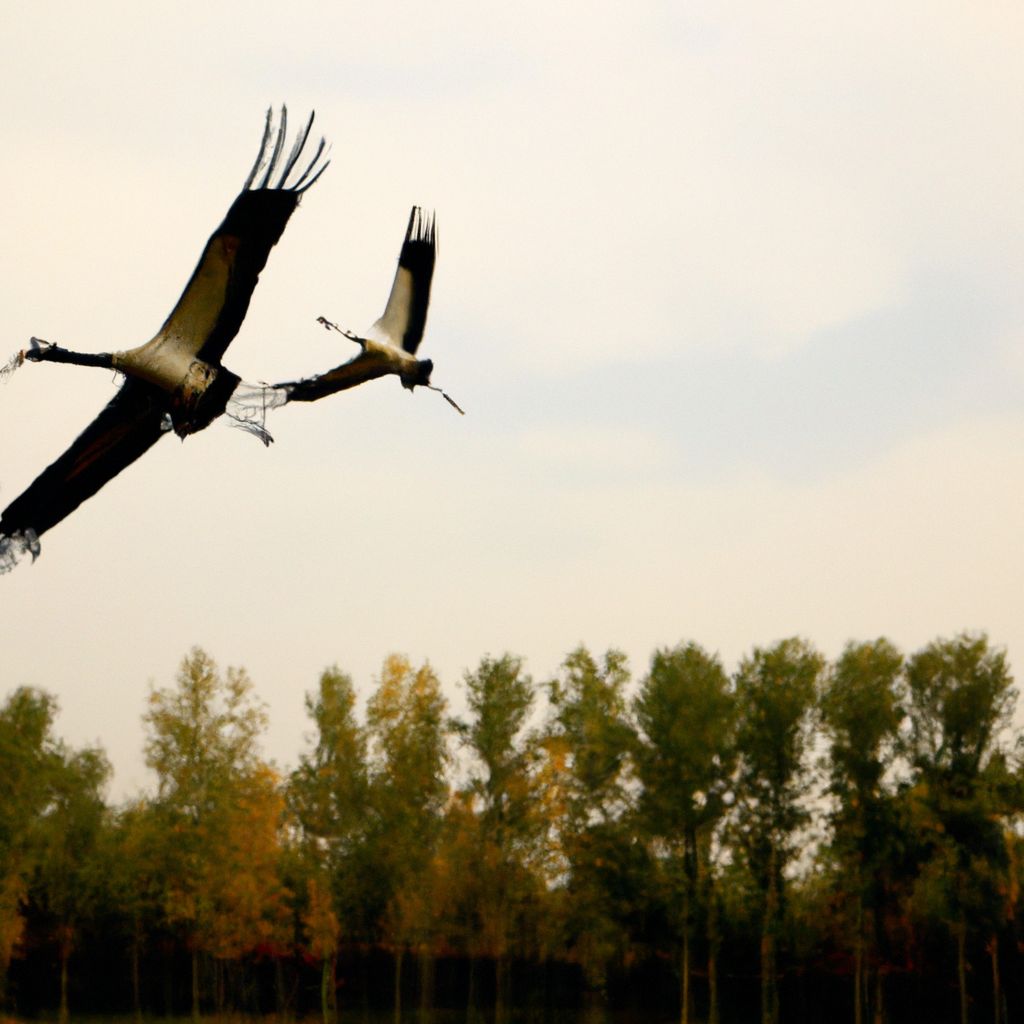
(731,294)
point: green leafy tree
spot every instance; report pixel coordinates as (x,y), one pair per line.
(134,881)
(30,759)
(960,701)
(685,711)
(862,713)
(508,832)
(70,871)
(776,692)
(590,738)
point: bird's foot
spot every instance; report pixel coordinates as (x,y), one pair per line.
(329,326)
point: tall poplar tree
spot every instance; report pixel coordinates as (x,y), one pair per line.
(862,711)
(408,734)
(589,736)
(776,693)
(960,700)
(685,711)
(213,791)
(500,696)
(329,796)
(69,876)
(30,759)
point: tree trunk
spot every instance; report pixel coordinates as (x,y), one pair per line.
(768,998)
(595,1007)
(997,988)
(426,985)
(11,922)
(136,983)
(879,1015)
(858,966)
(195,985)
(399,953)
(328,1005)
(280,991)
(501,968)
(218,985)
(713,944)
(65,953)
(961,967)
(167,983)
(689,891)
(684,980)
(364,984)
(769,980)
(471,991)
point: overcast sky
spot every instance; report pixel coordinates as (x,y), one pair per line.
(732,294)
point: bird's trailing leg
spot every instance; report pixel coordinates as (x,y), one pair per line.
(448,398)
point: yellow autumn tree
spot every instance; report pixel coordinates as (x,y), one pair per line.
(221,808)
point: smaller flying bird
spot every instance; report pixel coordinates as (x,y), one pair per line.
(390,345)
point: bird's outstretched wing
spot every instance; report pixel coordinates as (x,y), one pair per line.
(127,426)
(405,315)
(215,300)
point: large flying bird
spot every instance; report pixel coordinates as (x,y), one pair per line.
(176,380)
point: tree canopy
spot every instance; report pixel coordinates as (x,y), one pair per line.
(796,837)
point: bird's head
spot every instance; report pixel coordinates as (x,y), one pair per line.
(420,377)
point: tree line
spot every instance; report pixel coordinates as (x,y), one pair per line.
(804,839)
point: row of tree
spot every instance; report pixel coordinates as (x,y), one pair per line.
(841,838)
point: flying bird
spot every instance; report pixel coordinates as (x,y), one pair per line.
(389,345)
(174,381)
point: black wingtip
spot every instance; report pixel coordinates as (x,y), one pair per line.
(421,226)
(301,185)
(264,171)
(300,142)
(263,148)
(282,129)
(419,250)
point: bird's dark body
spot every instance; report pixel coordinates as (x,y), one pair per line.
(202,397)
